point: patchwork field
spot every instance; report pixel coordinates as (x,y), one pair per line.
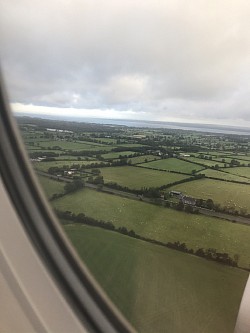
(204,161)
(44,166)
(51,186)
(142,159)
(73,158)
(114,155)
(136,178)
(161,223)
(223,175)
(224,193)
(70,145)
(241,171)
(161,290)
(173,164)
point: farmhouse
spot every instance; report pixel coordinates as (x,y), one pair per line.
(175,194)
(186,200)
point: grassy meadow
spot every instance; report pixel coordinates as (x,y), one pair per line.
(208,163)
(142,159)
(223,175)
(173,164)
(240,171)
(224,193)
(44,166)
(114,155)
(157,289)
(51,186)
(162,224)
(136,178)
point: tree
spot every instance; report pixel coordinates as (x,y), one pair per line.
(210,204)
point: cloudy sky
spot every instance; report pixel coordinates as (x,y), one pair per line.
(170,60)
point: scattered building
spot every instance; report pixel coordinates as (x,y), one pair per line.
(186,200)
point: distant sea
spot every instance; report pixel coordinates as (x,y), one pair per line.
(207,128)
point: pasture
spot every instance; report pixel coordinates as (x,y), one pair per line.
(71,145)
(203,161)
(114,155)
(50,186)
(143,158)
(240,171)
(162,224)
(223,175)
(157,289)
(130,145)
(173,164)
(44,166)
(136,178)
(224,193)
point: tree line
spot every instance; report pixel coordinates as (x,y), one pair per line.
(209,254)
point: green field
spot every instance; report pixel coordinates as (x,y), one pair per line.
(141,159)
(208,163)
(173,164)
(161,290)
(161,223)
(73,158)
(136,178)
(51,186)
(44,166)
(224,193)
(71,145)
(114,155)
(240,171)
(130,145)
(223,175)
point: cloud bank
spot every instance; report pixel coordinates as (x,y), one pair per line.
(144,59)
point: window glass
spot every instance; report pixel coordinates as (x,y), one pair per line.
(135,118)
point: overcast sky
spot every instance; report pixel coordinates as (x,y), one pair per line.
(171,60)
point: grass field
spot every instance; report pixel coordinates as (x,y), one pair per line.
(240,171)
(51,186)
(130,145)
(160,223)
(141,159)
(223,175)
(173,164)
(73,158)
(136,178)
(44,166)
(205,162)
(70,145)
(224,193)
(117,154)
(161,290)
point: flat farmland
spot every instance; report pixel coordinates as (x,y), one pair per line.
(224,193)
(240,171)
(136,178)
(73,158)
(223,175)
(71,145)
(204,161)
(158,289)
(162,224)
(173,164)
(246,158)
(114,155)
(51,186)
(130,145)
(44,166)
(141,159)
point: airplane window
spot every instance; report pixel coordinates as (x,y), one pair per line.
(135,119)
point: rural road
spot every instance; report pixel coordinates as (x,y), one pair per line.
(203,211)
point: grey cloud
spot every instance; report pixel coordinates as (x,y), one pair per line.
(167,58)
